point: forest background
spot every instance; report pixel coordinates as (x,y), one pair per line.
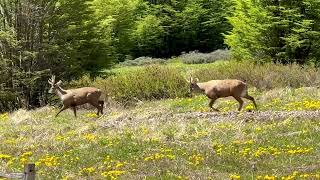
(70,39)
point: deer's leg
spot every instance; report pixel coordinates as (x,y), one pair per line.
(212,100)
(74,111)
(62,109)
(101,103)
(252,99)
(96,105)
(98,110)
(240,102)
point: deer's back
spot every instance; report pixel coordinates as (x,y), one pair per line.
(83,95)
(227,87)
(85,90)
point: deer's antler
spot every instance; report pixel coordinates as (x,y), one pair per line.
(52,80)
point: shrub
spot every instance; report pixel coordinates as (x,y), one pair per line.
(143,61)
(9,101)
(266,76)
(151,82)
(85,80)
(195,57)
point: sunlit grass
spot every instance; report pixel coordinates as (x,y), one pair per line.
(292,100)
(138,143)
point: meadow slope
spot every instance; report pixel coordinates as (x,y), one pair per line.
(171,139)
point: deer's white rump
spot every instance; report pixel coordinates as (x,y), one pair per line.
(72,98)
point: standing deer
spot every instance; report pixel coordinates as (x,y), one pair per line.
(215,89)
(76,97)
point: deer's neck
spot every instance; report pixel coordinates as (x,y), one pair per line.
(60,92)
(202,86)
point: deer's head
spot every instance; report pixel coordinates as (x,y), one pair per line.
(193,85)
(53,84)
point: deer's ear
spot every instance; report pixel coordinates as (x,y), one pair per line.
(194,80)
(188,80)
(59,83)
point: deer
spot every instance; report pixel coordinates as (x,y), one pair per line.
(215,89)
(72,98)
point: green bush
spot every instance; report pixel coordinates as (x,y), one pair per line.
(151,82)
(265,76)
(9,101)
(85,80)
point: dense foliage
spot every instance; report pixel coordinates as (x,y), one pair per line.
(282,31)
(43,37)
(72,38)
(162,28)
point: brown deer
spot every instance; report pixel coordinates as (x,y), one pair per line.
(215,89)
(76,97)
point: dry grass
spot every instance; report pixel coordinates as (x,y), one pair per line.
(155,141)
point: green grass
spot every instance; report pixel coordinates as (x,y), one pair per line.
(163,140)
(282,99)
(176,137)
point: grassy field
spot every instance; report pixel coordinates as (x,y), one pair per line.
(175,138)
(169,139)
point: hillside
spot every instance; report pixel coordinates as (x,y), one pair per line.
(170,139)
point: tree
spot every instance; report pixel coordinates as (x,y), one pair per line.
(281,31)
(39,38)
(116,19)
(180,26)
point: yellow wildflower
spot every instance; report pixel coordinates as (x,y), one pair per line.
(48,161)
(196,159)
(27,154)
(90,137)
(59,138)
(23,160)
(88,170)
(92,115)
(267,177)
(4,117)
(4,156)
(119,165)
(234,177)
(171,156)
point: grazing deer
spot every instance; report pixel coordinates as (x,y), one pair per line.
(215,89)
(76,97)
